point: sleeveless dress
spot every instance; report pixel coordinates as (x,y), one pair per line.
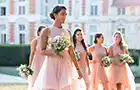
(82,62)
(120,73)
(56,73)
(36,65)
(98,74)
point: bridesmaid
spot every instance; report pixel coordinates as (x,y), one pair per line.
(36,59)
(81,48)
(120,74)
(57,73)
(98,71)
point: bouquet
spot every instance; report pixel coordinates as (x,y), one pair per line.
(77,54)
(106,61)
(25,71)
(126,58)
(59,43)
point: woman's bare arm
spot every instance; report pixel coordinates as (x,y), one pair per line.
(110,52)
(44,37)
(71,52)
(32,50)
(126,51)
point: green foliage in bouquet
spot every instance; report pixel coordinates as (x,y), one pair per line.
(106,61)
(59,43)
(126,58)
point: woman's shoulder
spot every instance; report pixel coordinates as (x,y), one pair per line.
(34,41)
(46,31)
(112,45)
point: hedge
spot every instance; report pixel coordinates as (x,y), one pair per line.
(136,56)
(13,55)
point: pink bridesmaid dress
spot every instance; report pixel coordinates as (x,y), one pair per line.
(120,73)
(36,65)
(57,73)
(99,75)
(83,63)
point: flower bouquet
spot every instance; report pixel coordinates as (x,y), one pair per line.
(25,71)
(126,58)
(106,61)
(59,43)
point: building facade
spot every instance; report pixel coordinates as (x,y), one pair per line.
(23,16)
(19,19)
(99,16)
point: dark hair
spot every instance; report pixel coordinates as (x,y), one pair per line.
(56,10)
(40,29)
(121,44)
(74,39)
(97,35)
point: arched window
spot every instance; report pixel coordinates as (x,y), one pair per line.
(92,30)
(121,28)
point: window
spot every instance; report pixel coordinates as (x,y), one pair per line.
(21,27)
(122,30)
(2,27)
(92,31)
(21,10)
(21,38)
(60,1)
(93,10)
(2,11)
(93,28)
(121,11)
(46,11)
(3,38)
(91,39)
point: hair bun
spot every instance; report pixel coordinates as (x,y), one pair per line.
(52,16)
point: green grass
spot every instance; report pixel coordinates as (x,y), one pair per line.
(13,87)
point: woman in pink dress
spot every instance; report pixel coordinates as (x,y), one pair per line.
(81,49)
(36,59)
(57,72)
(98,71)
(120,74)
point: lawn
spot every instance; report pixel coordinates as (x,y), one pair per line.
(13,87)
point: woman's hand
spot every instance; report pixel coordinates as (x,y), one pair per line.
(89,71)
(122,63)
(49,52)
(80,74)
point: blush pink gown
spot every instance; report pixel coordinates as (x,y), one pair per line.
(99,75)
(57,73)
(120,73)
(36,65)
(83,63)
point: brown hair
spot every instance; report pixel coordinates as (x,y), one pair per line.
(56,10)
(82,42)
(122,43)
(97,35)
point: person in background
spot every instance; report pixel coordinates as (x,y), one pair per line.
(98,74)
(36,59)
(120,75)
(81,49)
